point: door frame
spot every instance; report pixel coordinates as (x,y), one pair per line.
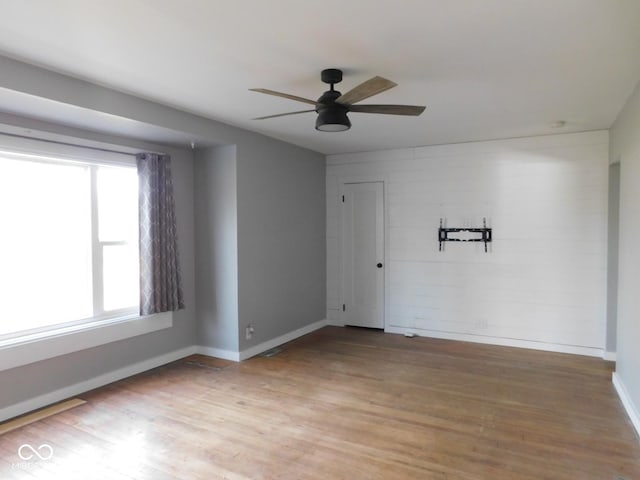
(342,180)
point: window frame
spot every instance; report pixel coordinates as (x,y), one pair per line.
(29,346)
(97,249)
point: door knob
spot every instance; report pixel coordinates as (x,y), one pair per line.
(379,265)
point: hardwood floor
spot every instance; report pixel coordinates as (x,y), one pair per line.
(345,403)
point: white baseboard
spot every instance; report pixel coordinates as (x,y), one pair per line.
(81,387)
(632,411)
(287,337)
(507,342)
(609,356)
(35,403)
(261,347)
(218,353)
(115,375)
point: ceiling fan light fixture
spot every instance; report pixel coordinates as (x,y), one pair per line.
(332,119)
(332,107)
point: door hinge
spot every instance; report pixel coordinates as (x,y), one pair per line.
(344,308)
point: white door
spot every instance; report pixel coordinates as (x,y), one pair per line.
(363,255)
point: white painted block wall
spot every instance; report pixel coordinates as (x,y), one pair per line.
(543,282)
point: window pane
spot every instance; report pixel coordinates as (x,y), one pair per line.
(45,246)
(120,273)
(117,204)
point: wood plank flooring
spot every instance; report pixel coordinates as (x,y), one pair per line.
(345,403)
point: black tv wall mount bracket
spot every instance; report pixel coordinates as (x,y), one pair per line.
(454,235)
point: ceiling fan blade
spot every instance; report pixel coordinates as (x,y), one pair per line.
(283,114)
(284,95)
(388,109)
(367,89)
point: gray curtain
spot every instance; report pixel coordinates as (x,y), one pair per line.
(160,278)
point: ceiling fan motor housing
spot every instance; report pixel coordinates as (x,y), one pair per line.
(328,99)
(327,102)
(332,116)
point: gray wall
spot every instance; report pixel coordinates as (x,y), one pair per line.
(260,242)
(217,247)
(280,225)
(625,145)
(281,239)
(612,256)
(22,383)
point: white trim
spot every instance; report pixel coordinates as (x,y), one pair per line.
(52,343)
(287,337)
(336,323)
(533,143)
(386,288)
(334,317)
(81,387)
(50,150)
(261,347)
(218,353)
(507,342)
(31,404)
(609,356)
(630,408)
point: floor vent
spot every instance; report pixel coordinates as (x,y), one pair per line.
(194,363)
(39,415)
(271,353)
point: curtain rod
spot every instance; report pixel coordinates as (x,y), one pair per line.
(69,144)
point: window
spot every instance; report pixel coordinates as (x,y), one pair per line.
(69,248)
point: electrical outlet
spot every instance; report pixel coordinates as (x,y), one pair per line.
(248,332)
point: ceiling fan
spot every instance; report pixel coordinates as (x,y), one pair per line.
(332,107)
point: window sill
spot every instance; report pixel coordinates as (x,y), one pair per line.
(42,346)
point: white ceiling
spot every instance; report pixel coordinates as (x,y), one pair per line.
(485,69)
